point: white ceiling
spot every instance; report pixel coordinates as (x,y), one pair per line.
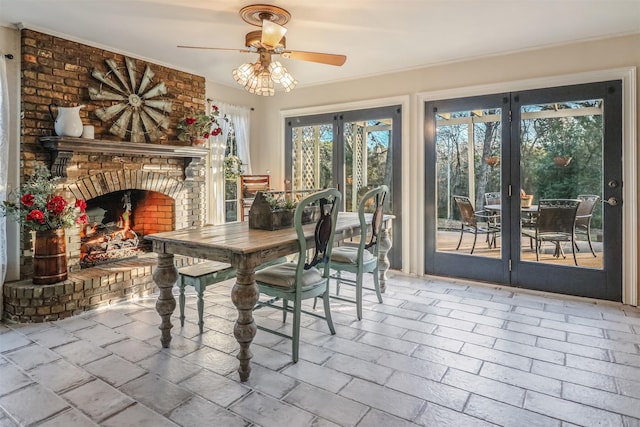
(378,36)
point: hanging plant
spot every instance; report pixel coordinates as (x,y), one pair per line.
(232,168)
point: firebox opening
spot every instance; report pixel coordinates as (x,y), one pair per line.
(118,222)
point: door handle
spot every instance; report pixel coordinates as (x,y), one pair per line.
(611,201)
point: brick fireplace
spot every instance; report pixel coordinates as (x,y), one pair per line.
(168,172)
(171,178)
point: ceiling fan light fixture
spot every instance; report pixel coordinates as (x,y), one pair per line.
(259,79)
(272,33)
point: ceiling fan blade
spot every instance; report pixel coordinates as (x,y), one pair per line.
(216,48)
(323,58)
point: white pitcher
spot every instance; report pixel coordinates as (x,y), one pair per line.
(68,122)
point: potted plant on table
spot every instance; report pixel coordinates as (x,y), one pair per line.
(36,206)
(273,210)
(197,127)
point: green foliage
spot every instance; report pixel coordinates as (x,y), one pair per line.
(541,139)
(280,201)
(232,168)
(36,206)
(199,125)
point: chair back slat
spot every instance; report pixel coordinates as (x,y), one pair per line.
(585,210)
(324,229)
(378,194)
(322,233)
(557,215)
(467,212)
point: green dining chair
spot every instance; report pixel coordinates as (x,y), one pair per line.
(363,257)
(304,278)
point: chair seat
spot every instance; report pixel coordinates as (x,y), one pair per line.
(482,229)
(284,276)
(349,255)
(553,237)
(207,268)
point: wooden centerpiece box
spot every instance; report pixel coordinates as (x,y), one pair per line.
(274,210)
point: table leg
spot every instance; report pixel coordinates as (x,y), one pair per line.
(244,295)
(383,259)
(165,277)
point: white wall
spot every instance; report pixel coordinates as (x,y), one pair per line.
(10,44)
(267,146)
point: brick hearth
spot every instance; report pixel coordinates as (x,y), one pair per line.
(83,290)
(176,183)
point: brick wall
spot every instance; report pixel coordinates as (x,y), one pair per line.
(56,70)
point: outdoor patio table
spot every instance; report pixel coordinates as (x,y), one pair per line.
(498,208)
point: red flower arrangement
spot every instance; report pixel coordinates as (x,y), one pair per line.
(38,208)
(200,125)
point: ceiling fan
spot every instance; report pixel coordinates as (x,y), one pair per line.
(259,77)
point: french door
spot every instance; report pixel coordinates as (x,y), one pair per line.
(352,151)
(510,155)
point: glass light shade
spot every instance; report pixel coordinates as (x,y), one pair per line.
(243,73)
(288,82)
(272,33)
(260,84)
(277,71)
(279,74)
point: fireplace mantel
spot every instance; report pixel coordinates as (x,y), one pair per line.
(63,147)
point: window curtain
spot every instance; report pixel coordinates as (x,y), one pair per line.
(240,116)
(4,163)
(215,172)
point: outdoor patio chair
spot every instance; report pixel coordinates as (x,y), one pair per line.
(555,223)
(475,223)
(493,198)
(302,279)
(583,217)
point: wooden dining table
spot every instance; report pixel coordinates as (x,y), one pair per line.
(245,249)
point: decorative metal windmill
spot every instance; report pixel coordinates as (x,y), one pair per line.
(137,112)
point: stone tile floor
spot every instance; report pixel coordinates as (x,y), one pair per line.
(438,352)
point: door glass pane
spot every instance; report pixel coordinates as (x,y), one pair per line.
(312,157)
(562,158)
(230,180)
(468,182)
(367,159)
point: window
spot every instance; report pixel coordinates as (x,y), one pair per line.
(230,179)
(352,151)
